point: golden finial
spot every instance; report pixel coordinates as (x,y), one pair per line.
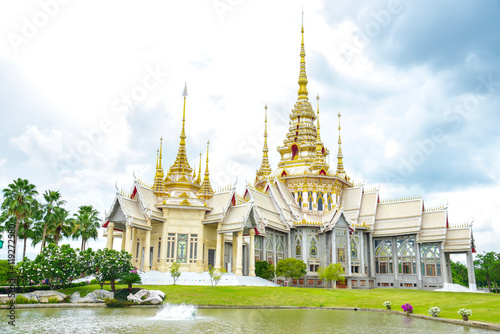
(161,143)
(198,179)
(181,165)
(206,191)
(302,76)
(340,163)
(265,167)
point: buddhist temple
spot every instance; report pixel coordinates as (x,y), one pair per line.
(303,208)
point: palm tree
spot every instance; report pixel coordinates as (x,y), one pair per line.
(86,224)
(53,200)
(60,224)
(19,199)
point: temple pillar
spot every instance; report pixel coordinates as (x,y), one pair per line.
(470,269)
(218,250)
(163,250)
(127,238)
(239,254)
(134,246)
(109,241)
(447,268)
(124,238)
(147,251)
(233,258)
(371,256)
(251,255)
(199,254)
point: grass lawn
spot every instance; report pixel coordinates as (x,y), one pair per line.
(485,306)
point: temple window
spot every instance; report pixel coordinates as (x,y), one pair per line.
(159,249)
(295,151)
(170,247)
(299,198)
(341,244)
(258,248)
(298,246)
(354,246)
(430,260)
(182,245)
(406,255)
(270,248)
(320,201)
(280,247)
(329,198)
(313,245)
(383,256)
(310,199)
(193,248)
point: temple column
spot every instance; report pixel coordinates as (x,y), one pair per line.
(251,255)
(419,266)
(124,238)
(447,268)
(371,255)
(163,249)
(109,241)
(147,251)
(127,238)
(239,254)
(218,250)
(470,268)
(134,246)
(199,253)
(233,259)
(362,252)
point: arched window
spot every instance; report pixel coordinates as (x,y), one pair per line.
(383,256)
(406,256)
(310,199)
(295,151)
(329,198)
(320,201)
(299,199)
(430,260)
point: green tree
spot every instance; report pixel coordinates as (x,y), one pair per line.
(61,225)
(130,278)
(459,274)
(6,272)
(18,201)
(86,224)
(57,265)
(483,263)
(264,269)
(111,264)
(52,200)
(215,275)
(332,273)
(175,271)
(291,268)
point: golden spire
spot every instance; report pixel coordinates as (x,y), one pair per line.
(319,160)
(265,168)
(206,191)
(198,179)
(302,76)
(158,184)
(340,163)
(181,164)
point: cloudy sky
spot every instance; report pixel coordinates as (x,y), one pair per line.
(87,88)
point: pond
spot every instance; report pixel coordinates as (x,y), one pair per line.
(187,319)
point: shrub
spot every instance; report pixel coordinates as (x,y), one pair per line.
(407,308)
(21,300)
(465,311)
(122,294)
(387,303)
(264,270)
(434,311)
(53,300)
(117,303)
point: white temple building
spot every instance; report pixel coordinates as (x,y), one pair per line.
(302,209)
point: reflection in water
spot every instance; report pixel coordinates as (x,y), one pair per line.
(187,319)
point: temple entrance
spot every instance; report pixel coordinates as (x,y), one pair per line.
(211,257)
